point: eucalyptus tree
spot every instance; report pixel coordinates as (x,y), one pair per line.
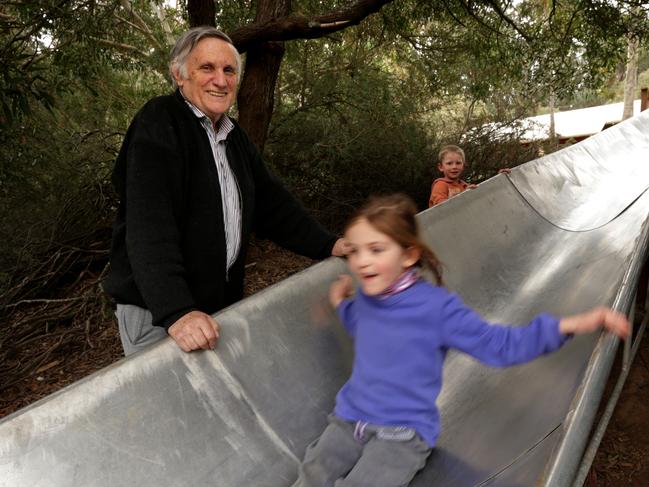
(48,46)
(263,42)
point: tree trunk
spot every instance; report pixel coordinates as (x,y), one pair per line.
(256,94)
(553,129)
(201,12)
(631,76)
(263,41)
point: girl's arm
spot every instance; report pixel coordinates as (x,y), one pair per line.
(594,319)
(502,346)
(340,289)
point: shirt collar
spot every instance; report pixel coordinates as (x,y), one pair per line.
(224,124)
(451,181)
(403,282)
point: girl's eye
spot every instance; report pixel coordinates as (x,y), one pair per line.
(377,250)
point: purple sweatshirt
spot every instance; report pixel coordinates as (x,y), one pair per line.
(400,343)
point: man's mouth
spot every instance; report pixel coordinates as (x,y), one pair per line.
(217,94)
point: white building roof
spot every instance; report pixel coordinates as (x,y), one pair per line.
(575,123)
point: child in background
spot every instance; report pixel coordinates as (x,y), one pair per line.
(385,420)
(451,165)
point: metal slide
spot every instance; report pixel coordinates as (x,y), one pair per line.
(560,234)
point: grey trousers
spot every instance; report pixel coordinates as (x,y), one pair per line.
(337,459)
(136,329)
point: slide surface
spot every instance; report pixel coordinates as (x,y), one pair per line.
(559,234)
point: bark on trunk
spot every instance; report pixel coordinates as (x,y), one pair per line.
(553,129)
(256,98)
(630,82)
(201,12)
(263,40)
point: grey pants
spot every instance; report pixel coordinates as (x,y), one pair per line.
(338,459)
(136,329)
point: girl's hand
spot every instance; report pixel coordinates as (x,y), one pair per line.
(594,319)
(340,289)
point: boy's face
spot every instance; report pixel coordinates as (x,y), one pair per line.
(452,165)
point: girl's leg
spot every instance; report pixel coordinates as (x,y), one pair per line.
(387,463)
(329,457)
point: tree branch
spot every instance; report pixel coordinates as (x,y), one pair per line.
(122,47)
(164,23)
(300,27)
(143,27)
(501,13)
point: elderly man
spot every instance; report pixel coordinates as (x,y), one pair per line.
(193,187)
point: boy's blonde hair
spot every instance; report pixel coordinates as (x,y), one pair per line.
(394,215)
(450,148)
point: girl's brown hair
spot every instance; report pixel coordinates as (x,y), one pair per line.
(394,215)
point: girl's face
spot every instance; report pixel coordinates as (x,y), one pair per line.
(375,258)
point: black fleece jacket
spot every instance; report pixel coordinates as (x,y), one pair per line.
(168,252)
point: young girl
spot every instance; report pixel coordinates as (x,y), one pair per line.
(385,421)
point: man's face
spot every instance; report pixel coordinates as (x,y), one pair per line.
(211,83)
(452,165)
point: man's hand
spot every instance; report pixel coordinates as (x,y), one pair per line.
(341,248)
(195,330)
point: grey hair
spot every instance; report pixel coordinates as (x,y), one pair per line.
(187,41)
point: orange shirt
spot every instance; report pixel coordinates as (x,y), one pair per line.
(444,188)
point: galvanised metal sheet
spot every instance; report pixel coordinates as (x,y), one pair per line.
(537,240)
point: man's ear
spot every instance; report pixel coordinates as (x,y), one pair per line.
(413,255)
(175,71)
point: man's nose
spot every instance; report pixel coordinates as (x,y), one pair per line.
(219,78)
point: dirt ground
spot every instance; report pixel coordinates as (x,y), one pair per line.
(621,459)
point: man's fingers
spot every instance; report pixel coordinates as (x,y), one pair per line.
(194,341)
(194,331)
(209,330)
(205,333)
(183,343)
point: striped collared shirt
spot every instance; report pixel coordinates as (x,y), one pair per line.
(230,197)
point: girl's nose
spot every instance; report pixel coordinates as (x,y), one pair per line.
(363,260)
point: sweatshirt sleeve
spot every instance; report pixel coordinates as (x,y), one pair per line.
(153,238)
(438,193)
(280,217)
(348,316)
(498,345)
